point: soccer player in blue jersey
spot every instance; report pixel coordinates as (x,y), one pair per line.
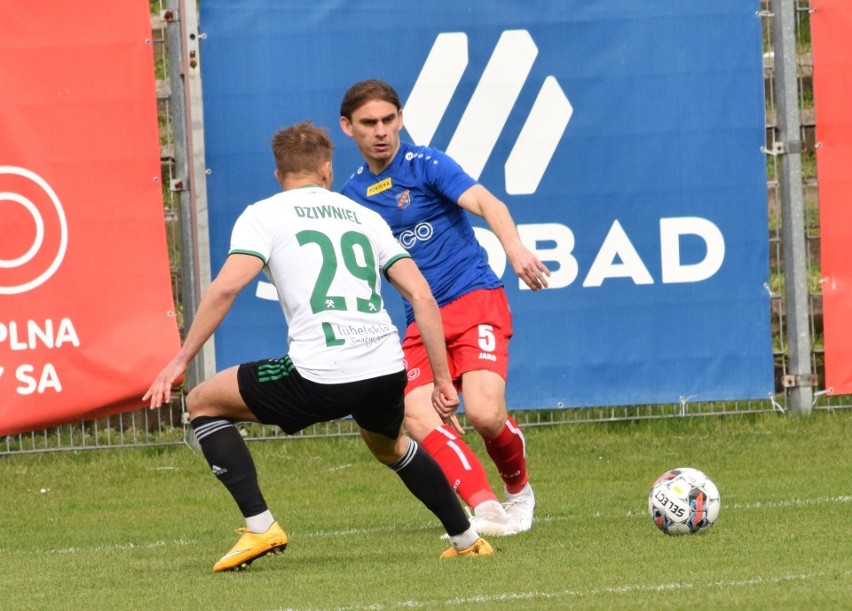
(425,196)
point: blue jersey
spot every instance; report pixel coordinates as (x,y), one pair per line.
(417,195)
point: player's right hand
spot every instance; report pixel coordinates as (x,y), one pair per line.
(445,399)
(453,421)
(160,392)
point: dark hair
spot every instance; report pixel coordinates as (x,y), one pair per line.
(302,147)
(366,91)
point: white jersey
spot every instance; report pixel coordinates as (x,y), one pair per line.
(325,255)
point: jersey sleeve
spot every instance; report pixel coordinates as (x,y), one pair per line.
(250,236)
(447,176)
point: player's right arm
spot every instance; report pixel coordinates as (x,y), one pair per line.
(236,273)
(411,284)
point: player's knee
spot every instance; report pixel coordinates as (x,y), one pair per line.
(418,428)
(386,458)
(384,453)
(420,419)
(194,404)
(386,450)
(488,423)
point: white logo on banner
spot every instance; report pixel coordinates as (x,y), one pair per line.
(46,207)
(489,108)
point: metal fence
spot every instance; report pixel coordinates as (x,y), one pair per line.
(794,234)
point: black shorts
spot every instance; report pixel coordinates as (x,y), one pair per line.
(277,394)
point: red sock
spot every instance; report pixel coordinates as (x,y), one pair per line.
(460,465)
(508,451)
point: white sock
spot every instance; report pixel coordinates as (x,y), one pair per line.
(260,523)
(464,540)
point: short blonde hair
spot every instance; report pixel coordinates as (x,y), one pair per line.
(302,147)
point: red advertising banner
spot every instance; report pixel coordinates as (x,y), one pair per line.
(86,310)
(831,24)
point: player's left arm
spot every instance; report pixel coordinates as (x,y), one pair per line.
(481,202)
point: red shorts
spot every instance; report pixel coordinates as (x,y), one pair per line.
(477,328)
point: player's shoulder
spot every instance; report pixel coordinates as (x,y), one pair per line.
(284,203)
(419,154)
(361,211)
(272,200)
(262,206)
(359,175)
(427,161)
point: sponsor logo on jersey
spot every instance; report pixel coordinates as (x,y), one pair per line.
(420,233)
(380,186)
(403,199)
(485,356)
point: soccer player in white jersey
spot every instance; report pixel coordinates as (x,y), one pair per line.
(424,195)
(325,255)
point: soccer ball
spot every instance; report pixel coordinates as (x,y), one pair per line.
(684,501)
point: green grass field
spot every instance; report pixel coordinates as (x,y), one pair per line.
(141,528)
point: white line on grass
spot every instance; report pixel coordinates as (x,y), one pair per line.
(395,527)
(628,589)
(97,548)
(755,505)
(631,514)
(340,468)
(791,503)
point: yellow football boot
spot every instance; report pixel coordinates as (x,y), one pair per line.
(481,547)
(252,546)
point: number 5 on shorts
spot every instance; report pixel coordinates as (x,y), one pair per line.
(487,343)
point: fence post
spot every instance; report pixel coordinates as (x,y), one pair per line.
(800,379)
(188,123)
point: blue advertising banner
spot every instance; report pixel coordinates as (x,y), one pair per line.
(623,136)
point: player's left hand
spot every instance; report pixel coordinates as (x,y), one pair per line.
(527,266)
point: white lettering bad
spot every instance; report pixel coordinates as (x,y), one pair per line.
(617,246)
(616,257)
(32,334)
(673,269)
